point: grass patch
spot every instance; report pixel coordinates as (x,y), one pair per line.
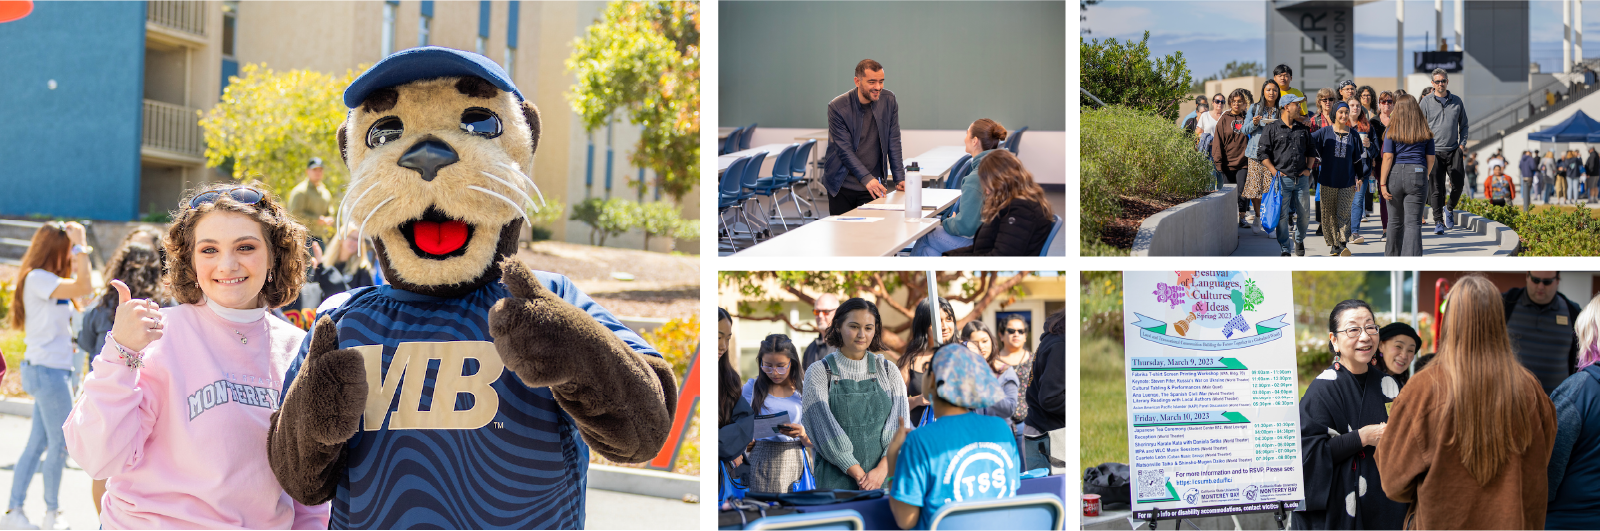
(12,347)
(1103,406)
(1133,165)
(1546,230)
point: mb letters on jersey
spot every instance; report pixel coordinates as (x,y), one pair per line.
(406,376)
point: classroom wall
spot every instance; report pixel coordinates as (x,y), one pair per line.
(948,63)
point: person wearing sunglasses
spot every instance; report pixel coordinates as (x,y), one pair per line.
(1343,416)
(176,410)
(1447,117)
(1540,319)
(1013,351)
(822,309)
(777,460)
(1206,123)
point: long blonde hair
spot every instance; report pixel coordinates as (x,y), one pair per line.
(1490,393)
(1003,179)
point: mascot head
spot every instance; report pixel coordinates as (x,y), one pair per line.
(439,143)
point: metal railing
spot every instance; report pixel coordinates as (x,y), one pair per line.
(1531,106)
(173,128)
(188,16)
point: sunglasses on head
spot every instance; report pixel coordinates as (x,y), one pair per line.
(1543,281)
(244,195)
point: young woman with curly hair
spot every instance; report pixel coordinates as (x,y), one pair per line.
(176,410)
(1016,217)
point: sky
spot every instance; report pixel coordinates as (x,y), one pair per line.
(1214,32)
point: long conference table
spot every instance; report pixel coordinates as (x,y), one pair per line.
(872,232)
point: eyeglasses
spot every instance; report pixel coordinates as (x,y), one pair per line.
(1386,102)
(1017,331)
(1441,82)
(820,313)
(1371,330)
(248,196)
(774,368)
(1543,281)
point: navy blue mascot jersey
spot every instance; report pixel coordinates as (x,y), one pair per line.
(501,456)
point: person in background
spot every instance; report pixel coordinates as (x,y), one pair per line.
(1575,175)
(822,309)
(1044,394)
(777,460)
(1287,153)
(1539,319)
(982,138)
(1407,156)
(1228,146)
(1324,117)
(919,350)
(342,267)
(310,202)
(1498,188)
(1471,166)
(1547,170)
(174,461)
(960,455)
(1347,91)
(1339,148)
(1591,167)
(1529,169)
(735,418)
(1285,77)
(1369,99)
(1343,416)
(977,337)
(1575,462)
(1206,123)
(1366,169)
(1397,346)
(1468,444)
(1447,118)
(1562,179)
(1199,107)
(1013,351)
(854,402)
(1261,114)
(864,128)
(54,270)
(1016,217)
(1380,127)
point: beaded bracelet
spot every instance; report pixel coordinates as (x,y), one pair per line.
(134,360)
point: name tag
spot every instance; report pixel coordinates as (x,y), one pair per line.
(1561,320)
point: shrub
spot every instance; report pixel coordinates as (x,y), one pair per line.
(663,219)
(676,341)
(550,211)
(606,217)
(1125,153)
(1122,73)
(1545,232)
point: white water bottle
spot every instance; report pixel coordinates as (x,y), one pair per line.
(913,192)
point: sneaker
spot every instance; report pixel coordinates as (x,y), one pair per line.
(1344,251)
(1285,253)
(1438,228)
(1243,224)
(15,519)
(55,520)
(1255,227)
(1333,251)
(1300,250)
(1449,219)
(1358,240)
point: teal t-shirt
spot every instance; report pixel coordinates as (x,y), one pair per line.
(956,458)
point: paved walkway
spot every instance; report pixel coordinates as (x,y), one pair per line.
(1454,242)
(606,509)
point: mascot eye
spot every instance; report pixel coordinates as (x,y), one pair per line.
(385,131)
(481,122)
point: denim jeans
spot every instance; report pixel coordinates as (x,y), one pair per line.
(52,402)
(1358,207)
(1295,197)
(938,241)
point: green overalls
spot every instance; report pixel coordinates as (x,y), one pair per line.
(862,409)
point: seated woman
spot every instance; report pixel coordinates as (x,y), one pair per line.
(1343,416)
(983,137)
(1016,217)
(177,407)
(777,460)
(960,455)
(854,401)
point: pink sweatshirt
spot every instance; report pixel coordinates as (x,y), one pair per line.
(183,440)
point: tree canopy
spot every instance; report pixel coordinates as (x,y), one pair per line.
(642,59)
(1122,72)
(270,124)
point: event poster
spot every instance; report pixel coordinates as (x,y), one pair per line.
(1212,393)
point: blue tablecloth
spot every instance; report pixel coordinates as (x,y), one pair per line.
(875,514)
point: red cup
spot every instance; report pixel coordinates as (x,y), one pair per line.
(1091,505)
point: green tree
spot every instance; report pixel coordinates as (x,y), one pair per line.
(606,217)
(270,124)
(758,302)
(643,60)
(1232,70)
(1122,72)
(662,219)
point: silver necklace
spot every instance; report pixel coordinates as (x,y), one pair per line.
(246,341)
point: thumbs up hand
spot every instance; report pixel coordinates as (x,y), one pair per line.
(138,321)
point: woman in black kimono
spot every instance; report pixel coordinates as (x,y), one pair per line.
(1342,418)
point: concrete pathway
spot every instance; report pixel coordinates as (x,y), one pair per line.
(1454,242)
(606,509)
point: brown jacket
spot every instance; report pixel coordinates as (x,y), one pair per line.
(1227,144)
(1420,467)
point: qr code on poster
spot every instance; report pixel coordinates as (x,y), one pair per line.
(1152,484)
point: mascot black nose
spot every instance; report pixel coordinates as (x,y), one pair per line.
(428,156)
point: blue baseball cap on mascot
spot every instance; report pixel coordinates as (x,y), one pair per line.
(427,62)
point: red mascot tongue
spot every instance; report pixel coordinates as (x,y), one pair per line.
(435,237)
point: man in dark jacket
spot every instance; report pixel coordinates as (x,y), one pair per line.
(864,137)
(1047,393)
(1540,321)
(1592,168)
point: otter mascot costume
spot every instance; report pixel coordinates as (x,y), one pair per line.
(467,392)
